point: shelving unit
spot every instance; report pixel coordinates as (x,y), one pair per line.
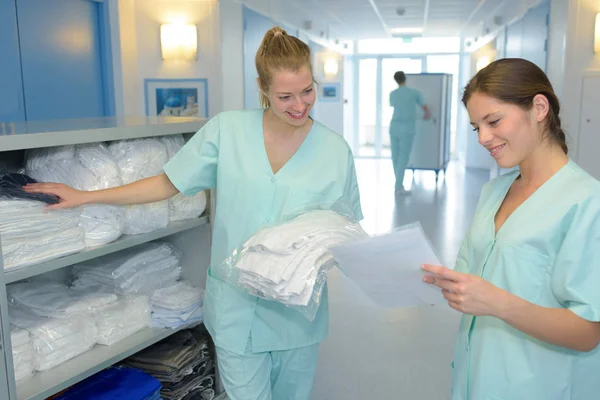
(192,237)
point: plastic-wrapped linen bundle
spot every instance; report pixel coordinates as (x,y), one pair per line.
(138,159)
(140,270)
(54,299)
(31,234)
(176,306)
(181,206)
(38,159)
(55,340)
(125,317)
(289,261)
(22,352)
(99,161)
(68,164)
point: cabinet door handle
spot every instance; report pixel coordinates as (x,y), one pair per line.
(3,125)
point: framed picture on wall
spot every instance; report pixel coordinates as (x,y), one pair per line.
(176,97)
(330,92)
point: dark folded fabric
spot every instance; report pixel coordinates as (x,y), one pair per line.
(182,363)
(11,185)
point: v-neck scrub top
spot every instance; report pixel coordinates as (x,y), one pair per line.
(229,153)
(548,253)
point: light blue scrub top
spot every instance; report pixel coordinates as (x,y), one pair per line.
(405,101)
(548,253)
(229,153)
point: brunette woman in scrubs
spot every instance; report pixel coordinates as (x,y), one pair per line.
(527,278)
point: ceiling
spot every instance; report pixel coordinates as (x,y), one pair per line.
(361,19)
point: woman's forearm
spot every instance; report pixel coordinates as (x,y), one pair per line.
(144,191)
(558,326)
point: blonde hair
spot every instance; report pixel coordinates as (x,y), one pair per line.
(279,51)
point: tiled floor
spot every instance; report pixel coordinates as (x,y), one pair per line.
(397,354)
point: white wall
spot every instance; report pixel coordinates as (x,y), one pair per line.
(329,113)
(571,58)
(232,54)
(140,58)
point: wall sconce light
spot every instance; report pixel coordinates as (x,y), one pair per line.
(597,34)
(178,42)
(331,67)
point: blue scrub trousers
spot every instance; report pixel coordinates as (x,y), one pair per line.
(402,135)
(274,375)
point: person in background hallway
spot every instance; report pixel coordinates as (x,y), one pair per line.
(403,126)
(527,278)
(265,163)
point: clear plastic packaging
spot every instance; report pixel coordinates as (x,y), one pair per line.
(122,319)
(22,352)
(31,234)
(101,223)
(289,261)
(181,206)
(55,341)
(54,299)
(36,159)
(138,159)
(99,161)
(139,270)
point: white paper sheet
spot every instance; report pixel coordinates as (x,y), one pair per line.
(388,267)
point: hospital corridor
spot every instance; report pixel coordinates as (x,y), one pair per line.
(299,200)
(381,339)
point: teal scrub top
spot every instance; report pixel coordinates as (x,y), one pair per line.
(548,253)
(229,153)
(405,101)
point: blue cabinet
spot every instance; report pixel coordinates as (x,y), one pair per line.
(59,60)
(12,106)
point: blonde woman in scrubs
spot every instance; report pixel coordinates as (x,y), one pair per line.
(527,278)
(265,163)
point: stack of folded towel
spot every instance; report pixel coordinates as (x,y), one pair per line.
(138,159)
(177,306)
(55,340)
(84,167)
(31,234)
(121,319)
(22,352)
(286,261)
(140,270)
(53,299)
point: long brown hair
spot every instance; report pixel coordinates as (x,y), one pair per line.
(517,81)
(279,51)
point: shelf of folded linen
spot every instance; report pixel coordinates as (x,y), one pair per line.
(44,384)
(103,317)
(35,263)
(182,363)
